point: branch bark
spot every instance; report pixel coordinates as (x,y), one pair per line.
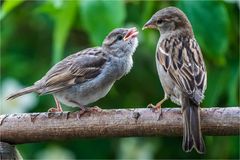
(36,127)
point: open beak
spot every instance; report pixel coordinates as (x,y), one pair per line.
(132,32)
(149,24)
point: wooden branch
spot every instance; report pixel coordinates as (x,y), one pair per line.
(36,127)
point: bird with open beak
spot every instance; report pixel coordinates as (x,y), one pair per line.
(88,75)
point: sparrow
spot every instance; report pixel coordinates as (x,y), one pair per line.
(181,71)
(88,75)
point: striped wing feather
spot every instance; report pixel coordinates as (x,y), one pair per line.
(182,60)
(75,69)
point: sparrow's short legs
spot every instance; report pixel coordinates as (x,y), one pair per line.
(88,109)
(83,109)
(157,107)
(58,106)
(95,108)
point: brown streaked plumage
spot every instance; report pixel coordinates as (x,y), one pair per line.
(181,71)
(88,75)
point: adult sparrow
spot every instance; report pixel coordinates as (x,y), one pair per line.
(88,75)
(181,70)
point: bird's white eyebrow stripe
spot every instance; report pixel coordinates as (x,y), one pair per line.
(163,52)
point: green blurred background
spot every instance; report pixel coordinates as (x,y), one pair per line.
(37,34)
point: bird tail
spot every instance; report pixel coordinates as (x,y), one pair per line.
(192,135)
(22,92)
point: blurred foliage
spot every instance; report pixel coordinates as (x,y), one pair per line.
(213,37)
(92,13)
(36,34)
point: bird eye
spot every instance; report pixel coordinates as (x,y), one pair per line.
(120,37)
(159,21)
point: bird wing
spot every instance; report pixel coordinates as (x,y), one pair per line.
(75,69)
(182,60)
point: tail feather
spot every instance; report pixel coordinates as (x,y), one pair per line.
(192,135)
(187,138)
(22,92)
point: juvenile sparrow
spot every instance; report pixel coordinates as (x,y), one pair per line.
(181,70)
(88,75)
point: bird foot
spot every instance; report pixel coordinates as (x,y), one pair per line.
(53,110)
(95,109)
(81,112)
(91,109)
(58,107)
(156,108)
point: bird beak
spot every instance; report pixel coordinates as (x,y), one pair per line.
(149,24)
(132,32)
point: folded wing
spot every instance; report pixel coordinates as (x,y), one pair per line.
(75,69)
(182,60)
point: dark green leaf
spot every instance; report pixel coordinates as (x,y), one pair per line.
(100,17)
(210,23)
(233,84)
(8,6)
(63,23)
(216,83)
(63,14)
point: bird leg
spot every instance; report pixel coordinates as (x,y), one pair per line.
(95,108)
(58,106)
(157,107)
(83,109)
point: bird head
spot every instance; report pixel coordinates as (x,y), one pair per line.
(168,19)
(121,41)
